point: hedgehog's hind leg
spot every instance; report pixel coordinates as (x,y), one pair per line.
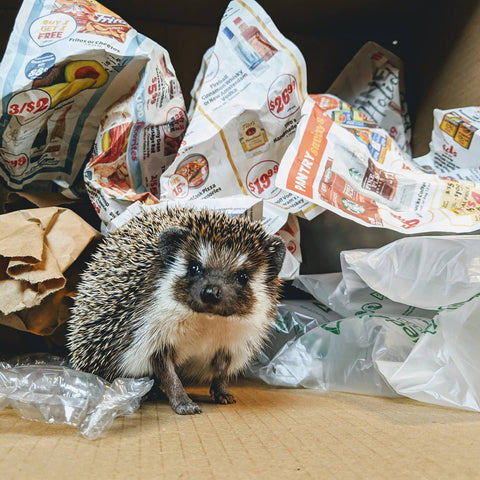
(164,369)
(219,387)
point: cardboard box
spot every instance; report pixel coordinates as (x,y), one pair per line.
(280,433)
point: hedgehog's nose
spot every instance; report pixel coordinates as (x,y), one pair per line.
(211,294)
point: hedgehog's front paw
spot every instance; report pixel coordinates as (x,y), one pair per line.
(187,408)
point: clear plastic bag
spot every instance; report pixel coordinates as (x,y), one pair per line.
(427,272)
(444,366)
(422,342)
(343,355)
(348,294)
(294,319)
(47,390)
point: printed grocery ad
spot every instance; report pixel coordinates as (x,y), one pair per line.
(66,64)
(455,145)
(360,173)
(246,104)
(137,140)
(372,82)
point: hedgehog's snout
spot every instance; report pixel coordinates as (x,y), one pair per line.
(211,294)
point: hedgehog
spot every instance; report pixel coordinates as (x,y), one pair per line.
(177,295)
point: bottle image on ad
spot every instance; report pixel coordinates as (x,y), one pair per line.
(256,39)
(248,56)
(251,134)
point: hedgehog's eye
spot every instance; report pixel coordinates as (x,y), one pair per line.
(242,278)
(194,268)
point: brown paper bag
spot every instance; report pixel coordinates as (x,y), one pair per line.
(36,247)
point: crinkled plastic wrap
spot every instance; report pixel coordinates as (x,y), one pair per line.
(425,348)
(54,393)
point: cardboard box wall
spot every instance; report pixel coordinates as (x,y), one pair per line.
(274,433)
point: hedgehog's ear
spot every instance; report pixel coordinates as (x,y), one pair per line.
(275,249)
(169,241)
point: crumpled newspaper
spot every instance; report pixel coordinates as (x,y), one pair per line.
(373,83)
(246,105)
(341,160)
(75,75)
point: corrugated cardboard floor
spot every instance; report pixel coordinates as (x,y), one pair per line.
(269,433)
